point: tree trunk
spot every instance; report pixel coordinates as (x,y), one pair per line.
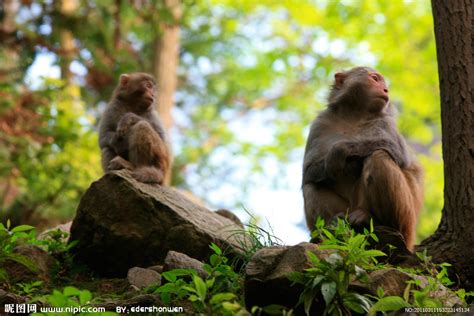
(68,7)
(166,63)
(454,31)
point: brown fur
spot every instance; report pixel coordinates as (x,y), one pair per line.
(131,135)
(356,161)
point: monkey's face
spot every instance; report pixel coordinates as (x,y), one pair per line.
(138,90)
(377,92)
(361,89)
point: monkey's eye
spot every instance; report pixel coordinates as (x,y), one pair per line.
(148,85)
(375,77)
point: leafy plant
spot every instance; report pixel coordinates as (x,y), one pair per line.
(217,294)
(30,288)
(428,278)
(9,239)
(56,241)
(329,278)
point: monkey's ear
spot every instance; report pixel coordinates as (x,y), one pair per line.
(124,78)
(339,78)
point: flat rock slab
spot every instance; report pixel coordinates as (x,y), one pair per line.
(121,223)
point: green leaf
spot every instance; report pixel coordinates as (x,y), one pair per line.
(328,289)
(201,288)
(316,281)
(373,253)
(84,297)
(335,247)
(210,282)
(231,306)
(216,248)
(308,302)
(356,241)
(380,292)
(313,257)
(328,234)
(214,260)
(221,297)
(356,302)
(21,228)
(167,287)
(172,275)
(388,304)
(71,291)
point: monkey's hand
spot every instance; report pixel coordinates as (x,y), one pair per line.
(118,163)
(395,151)
(359,218)
(126,122)
(336,159)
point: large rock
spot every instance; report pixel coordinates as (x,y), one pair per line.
(121,223)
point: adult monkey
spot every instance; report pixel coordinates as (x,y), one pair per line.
(356,161)
(131,135)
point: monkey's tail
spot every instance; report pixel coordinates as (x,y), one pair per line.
(149,175)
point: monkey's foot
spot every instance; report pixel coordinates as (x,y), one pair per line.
(119,163)
(358,218)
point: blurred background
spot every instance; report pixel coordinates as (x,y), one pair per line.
(239,83)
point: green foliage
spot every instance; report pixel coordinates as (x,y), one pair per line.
(56,241)
(348,261)
(220,293)
(419,290)
(388,304)
(30,288)
(419,293)
(255,238)
(56,162)
(9,239)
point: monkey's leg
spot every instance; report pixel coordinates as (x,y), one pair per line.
(390,194)
(145,153)
(322,202)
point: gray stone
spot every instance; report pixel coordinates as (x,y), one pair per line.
(142,278)
(121,223)
(177,260)
(158,268)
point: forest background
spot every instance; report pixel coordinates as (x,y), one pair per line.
(250,78)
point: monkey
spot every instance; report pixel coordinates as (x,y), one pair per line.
(357,163)
(131,135)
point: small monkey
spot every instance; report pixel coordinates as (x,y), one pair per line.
(131,135)
(357,162)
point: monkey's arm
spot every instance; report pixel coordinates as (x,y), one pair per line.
(349,150)
(315,172)
(157,125)
(107,128)
(119,141)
